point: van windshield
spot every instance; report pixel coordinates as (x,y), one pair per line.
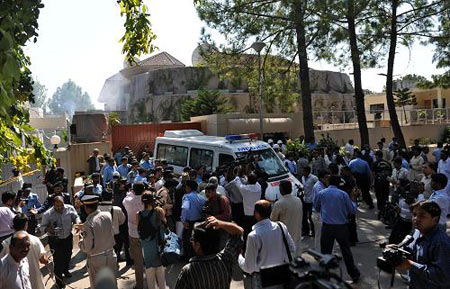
(267,161)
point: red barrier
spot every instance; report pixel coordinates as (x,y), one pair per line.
(136,136)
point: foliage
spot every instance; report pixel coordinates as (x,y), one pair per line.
(18,27)
(280,84)
(414,78)
(404,97)
(207,102)
(139,37)
(437,80)
(69,98)
(113,118)
(327,142)
(445,136)
(40,96)
(295,146)
(290,29)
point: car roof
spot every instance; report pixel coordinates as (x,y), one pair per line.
(215,141)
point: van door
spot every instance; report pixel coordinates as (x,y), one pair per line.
(175,155)
(201,157)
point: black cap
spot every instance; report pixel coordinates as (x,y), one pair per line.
(192,184)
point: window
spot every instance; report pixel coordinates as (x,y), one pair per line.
(435,103)
(225,159)
(175,155)
(201,157)
(379,107)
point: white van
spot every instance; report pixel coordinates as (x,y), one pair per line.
(192,148)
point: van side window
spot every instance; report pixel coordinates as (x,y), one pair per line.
(225,159)
(201,157)
(175,155)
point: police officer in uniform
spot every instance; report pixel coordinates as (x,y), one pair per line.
(97,238)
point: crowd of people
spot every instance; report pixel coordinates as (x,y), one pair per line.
(129,204)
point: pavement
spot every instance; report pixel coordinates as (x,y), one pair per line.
(371,232)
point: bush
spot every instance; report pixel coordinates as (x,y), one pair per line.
(295,146)
(445,136)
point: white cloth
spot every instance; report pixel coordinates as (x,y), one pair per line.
(36,252)
(397,175)
(441,198)
(426,180)
(444,168)
(265,247)
(350,149)
(118,217)
(97,164)
(6,221)
(14,275)
(159,184)
(133,205)
(416,173)
(405,211)
(308,184)
(250,195)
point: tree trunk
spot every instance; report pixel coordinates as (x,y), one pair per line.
(359,93)
(397,130)
(308,125)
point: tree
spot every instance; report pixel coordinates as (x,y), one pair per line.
(18,27)
(280,81)
(404,97)
(350,32)
(40,95)
(69,98)
(207,102)
(290,28)
(407,21)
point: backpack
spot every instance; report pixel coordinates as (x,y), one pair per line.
(146,229)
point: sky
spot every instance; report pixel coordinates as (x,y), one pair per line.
(79,40)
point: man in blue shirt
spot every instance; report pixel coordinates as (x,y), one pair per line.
(142,177)
(31,203)
(335,207)
(108,171)
(361,171)
(191,212)
(145,162)
(430,264)
(124,168)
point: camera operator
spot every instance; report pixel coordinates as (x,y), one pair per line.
(430,264)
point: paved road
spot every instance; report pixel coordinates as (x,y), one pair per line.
(371,233)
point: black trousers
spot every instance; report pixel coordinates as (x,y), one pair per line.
(122,240)
(188,251)
(353,230)
(249,221)
(61,256)
(32,224)
(308,224)
(362,181)
(381,192)
(237,213)
(341,234)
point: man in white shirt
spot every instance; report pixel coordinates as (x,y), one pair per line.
(308,180)
(440,197)
(6,216)
(265,244)
(251,193)
(428,170)
(14,268)
(35,257)
(289,211)
(349,147)
(398,173)
(444,166)
(133,205)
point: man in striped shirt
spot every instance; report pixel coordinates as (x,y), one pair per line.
(209,269)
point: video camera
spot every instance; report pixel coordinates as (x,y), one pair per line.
(392,256)
(238,162)
(317,275)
